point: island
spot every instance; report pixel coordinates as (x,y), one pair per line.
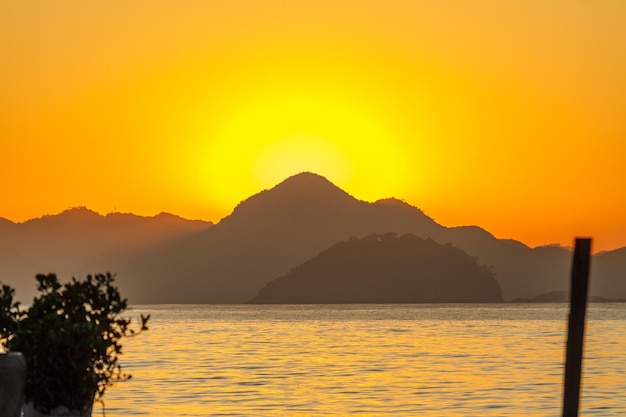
(385,268)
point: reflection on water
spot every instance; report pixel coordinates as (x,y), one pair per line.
(368,360)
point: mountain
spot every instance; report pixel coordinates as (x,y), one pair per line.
(564,297)
(385,269)
(275,230)
(165,259)
(608,274)
(264,237)
(79,241)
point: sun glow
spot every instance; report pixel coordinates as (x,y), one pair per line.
(477,114)
(286,128)
(294,154)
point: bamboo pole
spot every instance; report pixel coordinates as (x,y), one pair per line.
(576,327)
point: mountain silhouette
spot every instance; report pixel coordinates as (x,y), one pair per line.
(79,241)
(385,269)
(166,259)
(564,297)
(265,236)
(608,274)
(273,231)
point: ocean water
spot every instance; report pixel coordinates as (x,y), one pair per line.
(367,360)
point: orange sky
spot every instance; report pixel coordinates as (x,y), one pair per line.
(508,115)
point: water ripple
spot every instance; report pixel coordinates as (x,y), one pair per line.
(408,360)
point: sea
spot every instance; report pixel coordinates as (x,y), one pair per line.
(366,360)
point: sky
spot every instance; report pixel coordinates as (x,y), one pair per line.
(507,115)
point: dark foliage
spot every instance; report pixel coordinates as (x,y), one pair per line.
(9,314)
(70,338)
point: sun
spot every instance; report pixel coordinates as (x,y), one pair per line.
(298,153)
(279,129)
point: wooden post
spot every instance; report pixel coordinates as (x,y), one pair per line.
(576,327)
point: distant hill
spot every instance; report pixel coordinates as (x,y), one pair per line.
(265,236)
(166,259)
(273,231)
(564,297)
(79,241)
(385,269)
(608,274)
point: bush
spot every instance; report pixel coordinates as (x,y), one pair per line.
(70,338)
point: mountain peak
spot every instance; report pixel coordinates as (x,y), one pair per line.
(307,182)
(71,214)
(79,211)
(309,177)
(306,190)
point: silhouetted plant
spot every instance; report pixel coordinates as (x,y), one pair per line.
(9,315)
(70,338)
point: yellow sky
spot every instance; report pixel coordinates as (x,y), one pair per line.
(509,115)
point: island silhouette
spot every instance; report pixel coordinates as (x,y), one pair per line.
(166,259)
(385,269)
